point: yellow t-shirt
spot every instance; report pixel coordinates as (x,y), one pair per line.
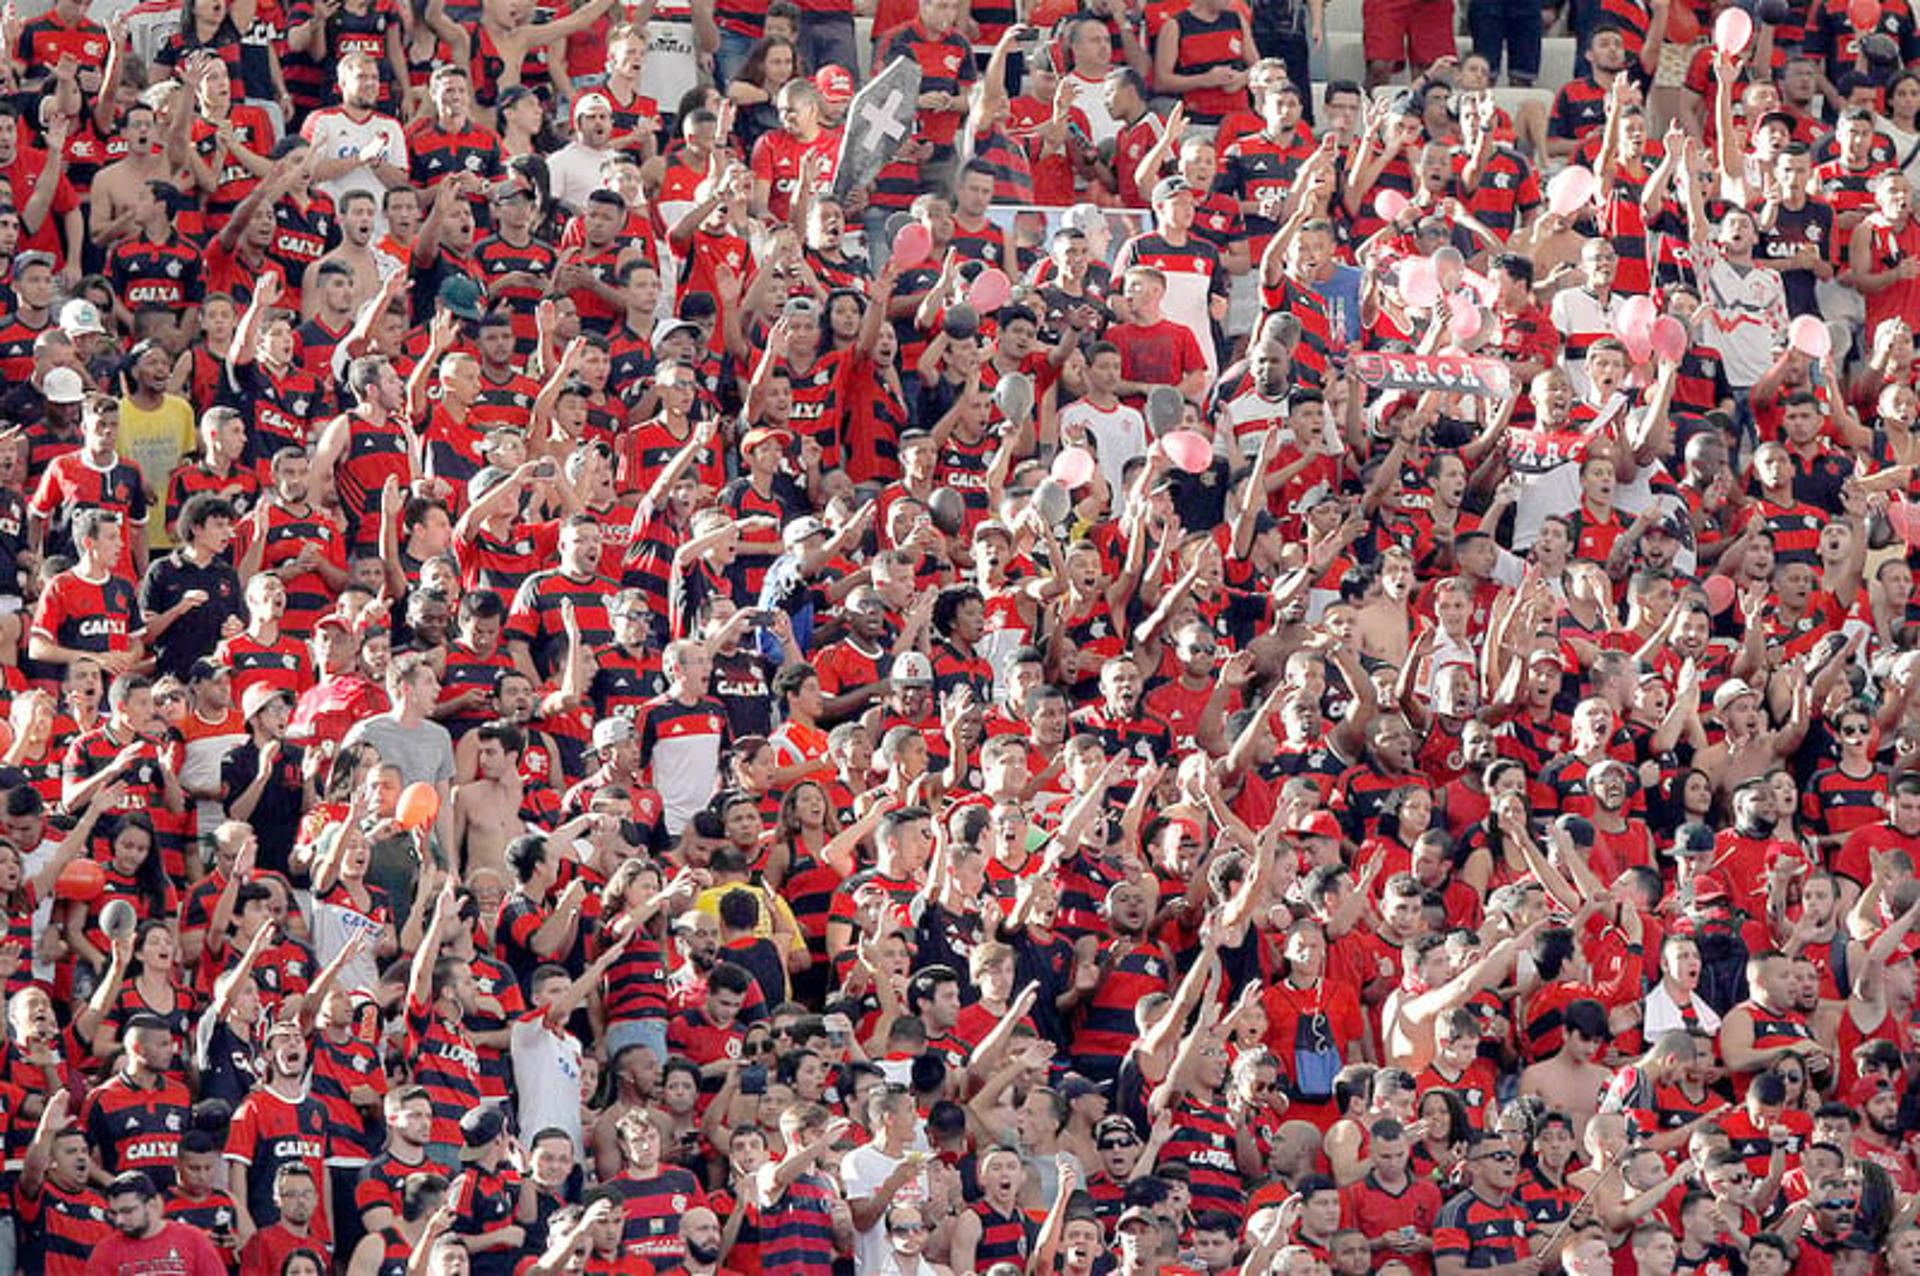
(157,442)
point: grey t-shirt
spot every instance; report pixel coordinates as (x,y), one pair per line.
(423,753)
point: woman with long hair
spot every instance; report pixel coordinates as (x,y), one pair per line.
(133,873)
(153,986)
(771,64)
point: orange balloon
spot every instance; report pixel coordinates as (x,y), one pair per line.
(1683,25)
(83,880)
(419,805)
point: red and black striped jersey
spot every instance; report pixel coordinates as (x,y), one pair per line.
(301,236)
(135,1126)
(535,616)
(488,562)
(1207,44)
(375,452)
(1838,803)
(283,664)
(1107,1028)
(1202,1140)
(62,1229)
(1846,190)
(508,401)
(269,1132)
(283,409)
(1493,1235)
(496,256)
(625,679)
(339,1068)
(435,153)
(382,1180)
(288,532)
(156,278)
(653,1206)
(16,366)
(447,1064)
(1579,108)
(985,242)
(1508,190)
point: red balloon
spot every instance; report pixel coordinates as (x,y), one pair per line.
(1864,14)
(1683,27)
(418,807)
(83,880)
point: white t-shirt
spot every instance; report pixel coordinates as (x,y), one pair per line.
(1748,313)
(1663,1014)
(1090,99)
(861,1173)
(1580,318)
(334,134)
(573,171)
(546,1077)
(1119,434)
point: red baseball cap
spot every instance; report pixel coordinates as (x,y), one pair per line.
(835,84)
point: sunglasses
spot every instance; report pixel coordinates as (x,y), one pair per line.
(1502,1156)
(1107,1144)
(1839,1203)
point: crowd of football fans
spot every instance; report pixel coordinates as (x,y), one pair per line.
(1098,657)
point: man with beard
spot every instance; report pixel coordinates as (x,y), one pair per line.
(378,1195)
(1745,855)
(147,1240)
(1881,1141)
(344,696)
(1360,793)
(1765,1028)
(538,636)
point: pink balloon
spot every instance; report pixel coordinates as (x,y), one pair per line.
(1389,203)
(1419,283)
(1188,450)
(990,291)
(1074,466)
(1634,326)
(1732,31)
(1571,190)
(913,245)
(1669,338)
(1719,592)
(1483,287)
(1810,337)
(1901,518)
(1463,316)
(1864,14)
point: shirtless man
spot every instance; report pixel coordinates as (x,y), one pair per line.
(486,809)
(1426,992)
(1750,747)
(1385,620)
(116,185)
(1569,1080)
(358,213)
